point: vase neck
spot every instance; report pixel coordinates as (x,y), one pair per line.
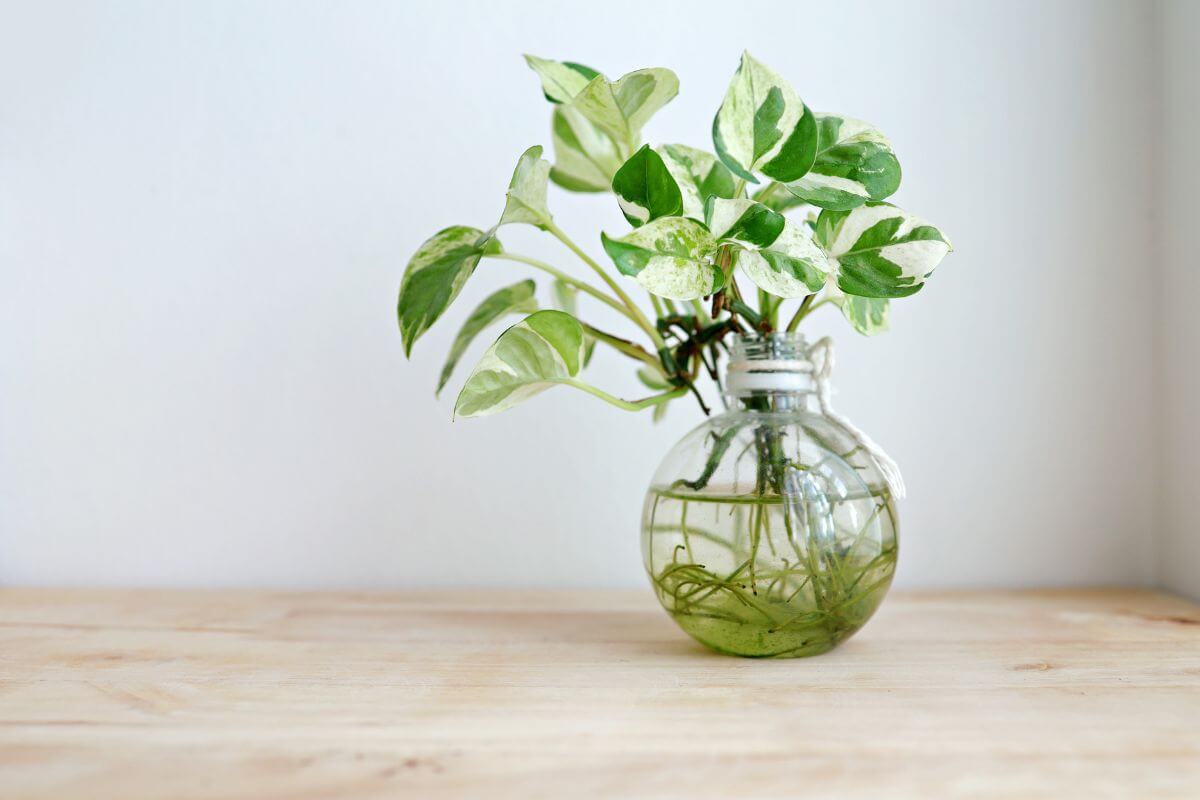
(771,372)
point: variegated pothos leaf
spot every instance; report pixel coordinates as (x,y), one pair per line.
(743,221)
(880,250)
(436,274)
(778,255)
(762,126)
(585,157)
(645,188)
(515,299)
(867,315)
(854,164)
(544,349)
(526,199)
(671,257)
(561,80)
(566,298)
(622,107)
(698,174)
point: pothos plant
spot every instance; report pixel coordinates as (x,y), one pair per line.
(710,239)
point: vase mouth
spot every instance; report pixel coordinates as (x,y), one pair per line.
(771,363)
(773,346)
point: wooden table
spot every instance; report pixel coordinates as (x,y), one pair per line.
(170,694)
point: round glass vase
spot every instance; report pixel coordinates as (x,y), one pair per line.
(769,531)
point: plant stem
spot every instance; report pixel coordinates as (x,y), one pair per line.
(627,405)
(624,346)
(565,278)
(658,307)
(636,312)
(801,312)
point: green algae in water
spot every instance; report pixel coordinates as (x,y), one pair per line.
(755,576)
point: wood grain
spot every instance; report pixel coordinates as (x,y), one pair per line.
(174,694)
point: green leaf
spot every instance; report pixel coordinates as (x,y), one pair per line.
(854,164)
(791,266)
(645,189)
(699,176)
(515,299)
(544,349)
(566,298)
(561,80)
(867,315)
(526,199)
(743,221)
(778,255)
(762,126)
(436,274)
(585,157)
(622,107)
(671,257)
(880,250)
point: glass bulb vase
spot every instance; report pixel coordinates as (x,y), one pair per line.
(769,531)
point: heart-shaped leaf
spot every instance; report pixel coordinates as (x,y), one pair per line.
(585,157)
(436,274)
(743,221)
(566,297)
(867,315)
(699,176)
(671,257)
(526,199)
(622,107)
(544,349)
(646,189)
(778,255)
(791,266)
(561,80)
(515,299)
(880,250)
(854,164)
(762,126)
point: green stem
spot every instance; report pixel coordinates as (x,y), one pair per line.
(636,312)
(587,288)
(801,312)
(658,308)
(624,346)
(627,405)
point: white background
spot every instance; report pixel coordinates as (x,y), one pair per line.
(206,208)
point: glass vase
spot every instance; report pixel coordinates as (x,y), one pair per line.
(770,530)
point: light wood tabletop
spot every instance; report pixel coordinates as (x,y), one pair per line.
(482,694)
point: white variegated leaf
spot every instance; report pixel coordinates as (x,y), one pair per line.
(791,266)
(867,315)
(544,349)
(762,126)
(880,250)
(526,199)
(671,257)
(515,299)
(743,221)
(700,175)
(585,157)
(436,274)
(561,80)
(854,164)
(622,107)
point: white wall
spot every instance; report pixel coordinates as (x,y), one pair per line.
(1178,408)
(205,210)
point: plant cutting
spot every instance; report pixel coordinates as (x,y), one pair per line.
(769,530)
